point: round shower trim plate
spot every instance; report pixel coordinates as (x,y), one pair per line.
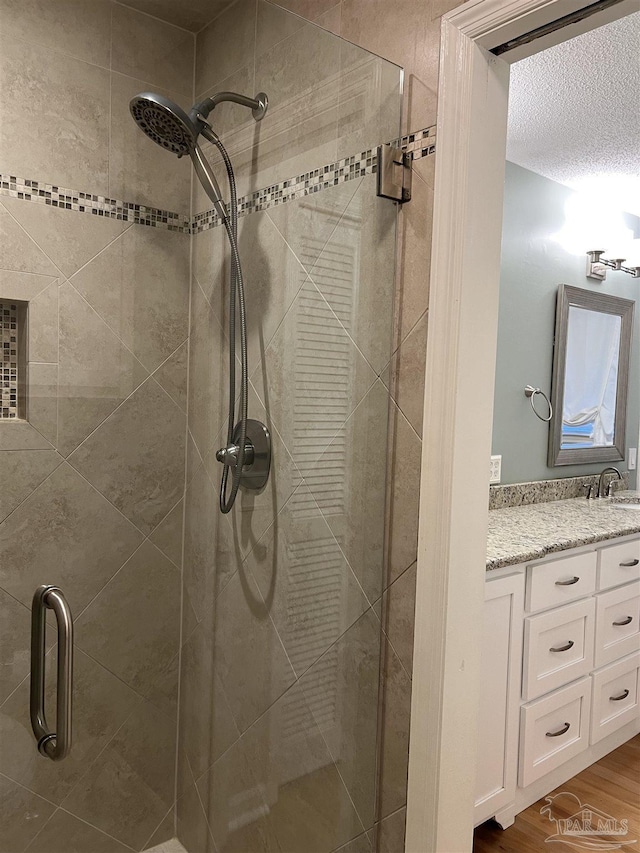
(263,105)
(255,475)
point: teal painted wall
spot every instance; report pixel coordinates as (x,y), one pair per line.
(533,265)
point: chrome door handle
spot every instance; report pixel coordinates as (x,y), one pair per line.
(629,564)
(53,745)
(623,621)
(569,582)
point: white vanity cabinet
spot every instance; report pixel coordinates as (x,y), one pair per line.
(560,672)
(498,713)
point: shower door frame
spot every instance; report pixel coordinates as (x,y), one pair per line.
(458,405)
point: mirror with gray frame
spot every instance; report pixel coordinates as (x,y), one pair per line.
(590,377)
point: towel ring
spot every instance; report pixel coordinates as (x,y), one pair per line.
(531,392)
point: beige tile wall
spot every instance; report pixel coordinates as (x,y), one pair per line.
(67,72)
(353,104)
(91,488)
(95,506)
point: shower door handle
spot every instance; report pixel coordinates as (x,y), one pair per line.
(54,745)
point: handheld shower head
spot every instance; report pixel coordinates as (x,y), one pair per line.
(169,126)
(164,122)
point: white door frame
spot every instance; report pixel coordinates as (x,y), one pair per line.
(458,412)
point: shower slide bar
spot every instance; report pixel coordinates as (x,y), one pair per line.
(53,745)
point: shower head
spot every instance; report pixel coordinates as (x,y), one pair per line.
(169,126)
(164,122)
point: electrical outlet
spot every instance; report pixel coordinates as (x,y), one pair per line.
(633,458)
(495,468)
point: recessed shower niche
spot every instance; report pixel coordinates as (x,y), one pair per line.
(13,337)
(29,338)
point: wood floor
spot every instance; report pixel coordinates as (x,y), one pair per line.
(611,785)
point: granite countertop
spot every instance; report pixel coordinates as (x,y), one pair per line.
(521,534)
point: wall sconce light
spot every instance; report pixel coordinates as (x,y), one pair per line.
(597,266)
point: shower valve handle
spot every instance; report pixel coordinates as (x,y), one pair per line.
(257,455)
(229,455)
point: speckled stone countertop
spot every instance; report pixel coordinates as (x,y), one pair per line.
(520,534)
(629,496)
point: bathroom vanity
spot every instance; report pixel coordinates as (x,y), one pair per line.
(561,647)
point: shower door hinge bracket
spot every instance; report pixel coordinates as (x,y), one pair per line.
(393,174)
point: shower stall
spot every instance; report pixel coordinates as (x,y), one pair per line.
(217,547)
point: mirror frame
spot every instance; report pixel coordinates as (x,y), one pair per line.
(591,300)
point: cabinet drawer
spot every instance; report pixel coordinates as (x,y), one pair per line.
(615,697)
(619,564)
(553,730)
(557,582)
(558,647)
(617,623)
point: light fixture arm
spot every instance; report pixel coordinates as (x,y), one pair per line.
(597,265)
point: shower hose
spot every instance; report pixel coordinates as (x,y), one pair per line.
(236,294)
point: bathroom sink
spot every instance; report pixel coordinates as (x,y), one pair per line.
(628,498)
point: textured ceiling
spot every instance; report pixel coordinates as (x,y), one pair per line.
(574,112)
(191,14)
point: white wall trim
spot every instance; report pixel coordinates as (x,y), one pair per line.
(458,414)
(493,22)
(458,403)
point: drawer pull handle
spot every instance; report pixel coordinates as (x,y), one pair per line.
(561,731)
(564,648)
(624,621)
(570,582)
(629,564)
(619,698)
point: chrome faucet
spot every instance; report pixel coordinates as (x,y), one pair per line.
(609,470)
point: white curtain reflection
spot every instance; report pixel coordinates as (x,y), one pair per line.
(591,376)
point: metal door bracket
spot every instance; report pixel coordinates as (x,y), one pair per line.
(393,174)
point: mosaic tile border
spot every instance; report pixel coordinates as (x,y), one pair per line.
(67,199)
(421,143)
(544,491)
(8,359)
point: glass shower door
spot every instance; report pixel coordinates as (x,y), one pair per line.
(279,745)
